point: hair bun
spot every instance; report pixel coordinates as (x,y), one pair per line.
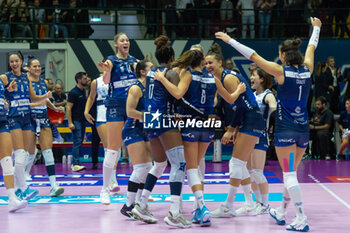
(162,41)
(296,42)
(215,48)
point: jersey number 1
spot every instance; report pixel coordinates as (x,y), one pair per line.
(300,90)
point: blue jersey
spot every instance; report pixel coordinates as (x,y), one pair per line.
(201,92)
(122,77)
(3,111)
(19,99)
(131,122)
(156,95)
(40,88)
(292,98)
(246,101)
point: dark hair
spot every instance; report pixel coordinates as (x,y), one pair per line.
(322,99)
(164,52)
(79,75)
(30,61)
(347,99)
(20,55)
(141,65)
(267,79)
(291,48)
(192,58)
(215,50)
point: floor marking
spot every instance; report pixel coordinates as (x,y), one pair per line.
(330,191)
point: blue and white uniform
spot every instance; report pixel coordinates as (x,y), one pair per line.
(19,109)
(200,94)
(157,105)
(263,141)
(102,92)
(122,77)
(133,129)
(247,114)
(40,119)
(292,125)
(4,126)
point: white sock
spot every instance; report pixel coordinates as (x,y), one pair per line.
(138,196)
(112,156)
(11,194)
(175,205)
(144,198)
(247,189)
(130,198)
(265,199)
(231,195)
(20,169)
(257,195)
(295,194)
(285,201)
(199,198)
(52,181)
(114,176)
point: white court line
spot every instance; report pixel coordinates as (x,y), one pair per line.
(330,191)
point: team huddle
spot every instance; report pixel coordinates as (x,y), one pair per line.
(134,99)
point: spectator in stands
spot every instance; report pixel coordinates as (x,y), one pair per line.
(321,126)
(60,99)
(75,116)
(71,17)
(230,65)
(344,128)
(295,11)
(37,14)
(248,17)
(265,13)
(185,15)
(5,19)
(321,81)
(23,17)
(341,17)
(55,16)
(312,9)
(333,74)
(278,18)
(170,18)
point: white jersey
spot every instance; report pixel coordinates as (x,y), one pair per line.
(102,92)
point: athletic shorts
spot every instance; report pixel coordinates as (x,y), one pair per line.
(133,135)
(45,123)
(190,135)
(253,123)
(262,143)
(100,123)
(4,127)
(20,122)
(301,139)
(116,114)
(154,133)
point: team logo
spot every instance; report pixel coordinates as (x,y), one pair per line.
(152,120)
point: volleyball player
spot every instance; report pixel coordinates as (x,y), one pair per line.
(19,120)
(292,127)
(119,74)
(248,119)
(41,127)
(135,138)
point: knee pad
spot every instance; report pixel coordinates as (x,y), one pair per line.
(178,164)
(110,158)
(158,168)
(258,176)
(193,177)
(290,179)
(140,171)
(236,168)
(20,157)
(246,174)
(7,166)
(251,176)
(48,157)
